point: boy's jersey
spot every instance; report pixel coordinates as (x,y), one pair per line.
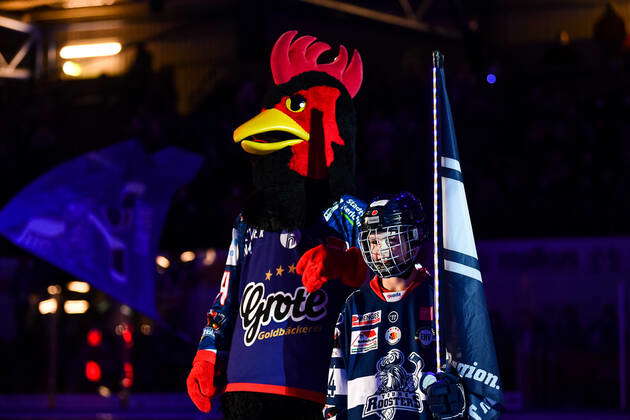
(275,335)
(383,343)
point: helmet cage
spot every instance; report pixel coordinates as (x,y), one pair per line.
(397,248)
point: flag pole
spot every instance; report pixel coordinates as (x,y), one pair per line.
(438,60)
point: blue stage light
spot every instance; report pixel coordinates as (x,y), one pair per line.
(491,78)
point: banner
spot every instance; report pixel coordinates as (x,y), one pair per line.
(100,216)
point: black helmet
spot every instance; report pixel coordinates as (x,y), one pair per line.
(391,233)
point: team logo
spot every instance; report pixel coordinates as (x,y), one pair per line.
(392,316)
(396,388)
(363,341)
(424,336)
(392,335)
(362,320)
(290,238)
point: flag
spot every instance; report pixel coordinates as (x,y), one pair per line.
(462,320)
(100,216)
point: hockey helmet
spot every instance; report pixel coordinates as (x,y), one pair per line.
(391,233)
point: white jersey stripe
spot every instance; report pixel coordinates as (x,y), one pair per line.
(340,380)
(359,389)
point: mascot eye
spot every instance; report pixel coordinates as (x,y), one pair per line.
(296,103)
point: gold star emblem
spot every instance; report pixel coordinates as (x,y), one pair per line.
(292,268)
(268,275)
(279,271)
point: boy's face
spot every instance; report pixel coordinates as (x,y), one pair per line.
(387,246)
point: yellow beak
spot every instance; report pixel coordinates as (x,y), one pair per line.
(269,121)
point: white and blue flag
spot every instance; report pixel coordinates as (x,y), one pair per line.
(461,315)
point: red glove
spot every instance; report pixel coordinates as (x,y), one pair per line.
(200,381)
(332,260)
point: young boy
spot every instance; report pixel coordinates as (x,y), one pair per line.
(384,347)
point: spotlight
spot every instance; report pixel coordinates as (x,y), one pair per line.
(162,262)
(48,306)
(97,49)
(78,286)
(187,256)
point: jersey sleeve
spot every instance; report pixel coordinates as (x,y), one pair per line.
(336,407)
(221,317)
(480,408)
(343,217)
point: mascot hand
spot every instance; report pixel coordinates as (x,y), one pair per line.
(200,380)
(332,260)
(445,395)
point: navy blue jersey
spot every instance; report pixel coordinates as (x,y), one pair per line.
(275,335)
(383,342)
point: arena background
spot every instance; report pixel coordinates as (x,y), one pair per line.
(540,91)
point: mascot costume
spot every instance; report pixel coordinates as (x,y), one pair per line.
(268,338)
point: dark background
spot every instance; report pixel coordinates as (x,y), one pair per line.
(544,152)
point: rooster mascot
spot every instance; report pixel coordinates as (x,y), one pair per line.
(269,334)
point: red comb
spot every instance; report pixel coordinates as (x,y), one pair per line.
(290,58)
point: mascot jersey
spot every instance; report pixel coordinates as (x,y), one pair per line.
(383,343)
(278,335)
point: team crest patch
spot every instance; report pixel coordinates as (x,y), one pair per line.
(392,335)
(369,318)
(396,388)
(363,341)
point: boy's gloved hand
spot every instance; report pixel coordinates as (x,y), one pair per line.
(331,260)
(200,381)
(445,395)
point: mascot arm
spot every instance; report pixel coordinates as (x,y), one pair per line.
(207,374)
(331,261)
(336,407)
(339,256)
(343,218)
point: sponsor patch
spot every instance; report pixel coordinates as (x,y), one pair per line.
(392,335)
(393,296)
(369,318)
(258,309)
(232,258)
(426,313)
(372,219)
(425,336)
(290,239)
(363,341)
(392,316)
